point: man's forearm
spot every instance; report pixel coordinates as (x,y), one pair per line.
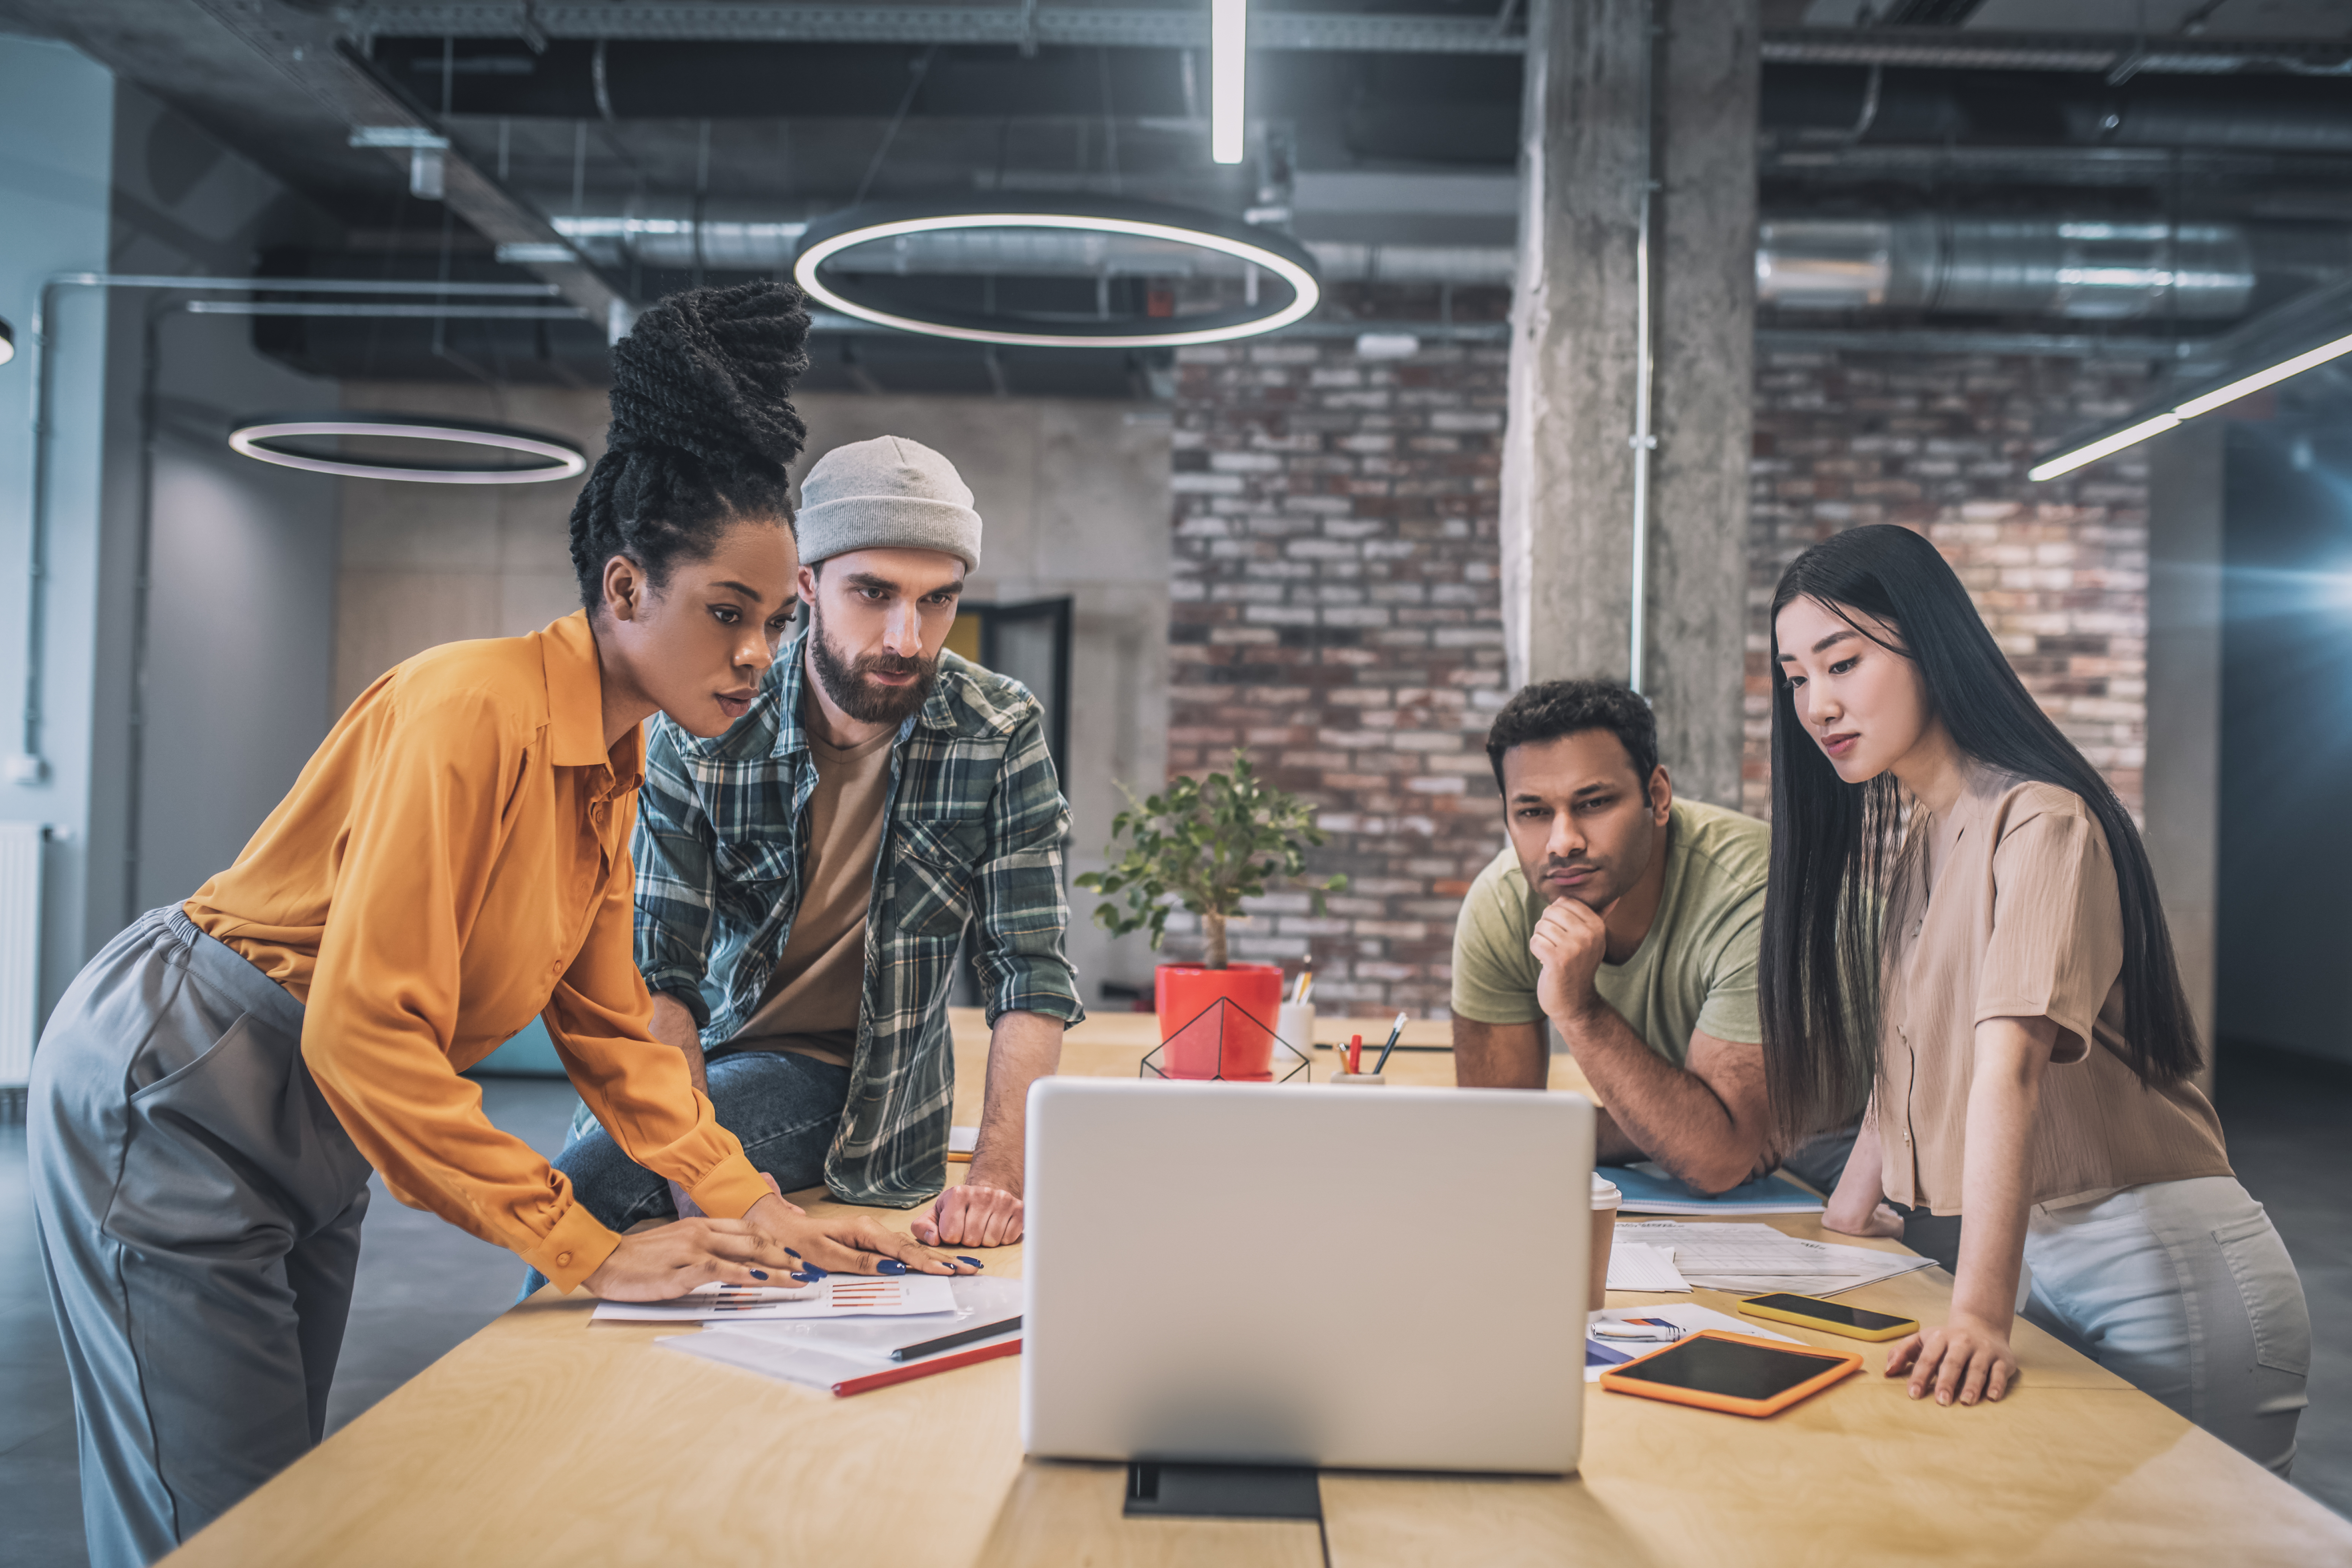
(1667,1114)
(674,1026)
(1021,1048)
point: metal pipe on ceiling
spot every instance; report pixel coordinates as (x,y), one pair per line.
(2074,269)
(2071,268)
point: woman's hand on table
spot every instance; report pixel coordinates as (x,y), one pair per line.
(846,1243)
(663,1263)
(977,1214)
(1965,1361)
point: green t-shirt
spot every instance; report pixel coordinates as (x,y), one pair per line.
(1696,970)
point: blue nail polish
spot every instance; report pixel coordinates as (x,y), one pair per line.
(814,1272)
(805,1279)
(889,1266)
(790,1250)
(759,1274)
(975,1262)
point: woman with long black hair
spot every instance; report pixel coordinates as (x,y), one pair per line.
(2002,986)
(212,1089)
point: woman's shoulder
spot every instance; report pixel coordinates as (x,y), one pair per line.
(496,681)
(2012,805)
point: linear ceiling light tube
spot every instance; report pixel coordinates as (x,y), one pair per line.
(1228,66)
(2105,447)
(2203,402)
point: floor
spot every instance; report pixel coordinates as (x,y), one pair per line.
(423,1286)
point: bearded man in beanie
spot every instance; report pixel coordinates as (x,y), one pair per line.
(804,879)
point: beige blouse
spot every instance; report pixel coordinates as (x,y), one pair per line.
(2024,922)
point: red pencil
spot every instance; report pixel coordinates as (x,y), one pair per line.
(849,1385)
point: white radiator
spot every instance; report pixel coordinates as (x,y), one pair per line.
(20,949)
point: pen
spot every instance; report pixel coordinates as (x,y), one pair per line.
(1305,979)
(1395,1029)
(960,1337)
(1355,1053)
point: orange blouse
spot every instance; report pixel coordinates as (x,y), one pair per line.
(454,859)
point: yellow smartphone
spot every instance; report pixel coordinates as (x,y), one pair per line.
(1830,1317)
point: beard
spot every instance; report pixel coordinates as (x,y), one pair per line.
(865,701)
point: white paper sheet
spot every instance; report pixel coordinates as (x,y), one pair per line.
(1687,1316)
(962,1140)
(808,1365)
(1749,1260)
(978,1299)
(1634,1265)
(836,1295)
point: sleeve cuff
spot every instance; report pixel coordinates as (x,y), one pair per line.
(731,1189)
(1059,1005)
(575,1249)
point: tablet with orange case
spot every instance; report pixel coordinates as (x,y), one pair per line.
(1716,1369)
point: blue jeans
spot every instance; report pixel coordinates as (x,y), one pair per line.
(782,1108)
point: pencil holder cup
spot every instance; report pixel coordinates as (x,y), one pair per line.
(1295,1025)
(1368,1079)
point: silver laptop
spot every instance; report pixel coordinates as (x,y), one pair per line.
(1390,1278)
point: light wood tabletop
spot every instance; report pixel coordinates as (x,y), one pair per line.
(544,1439)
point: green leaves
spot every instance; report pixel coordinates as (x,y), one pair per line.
(1205,846)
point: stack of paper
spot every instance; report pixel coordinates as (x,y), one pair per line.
(1634,1265)
(1751,1259)
(836,1295)
(849,1355)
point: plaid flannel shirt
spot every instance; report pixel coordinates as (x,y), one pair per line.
(973,827)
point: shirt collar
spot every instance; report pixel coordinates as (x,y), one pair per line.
(575,705)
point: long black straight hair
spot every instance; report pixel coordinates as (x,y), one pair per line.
(1832,842)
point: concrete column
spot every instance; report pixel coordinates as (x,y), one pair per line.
(1567,467)
(2183,772)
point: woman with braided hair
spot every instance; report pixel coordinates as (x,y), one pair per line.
(212,1091)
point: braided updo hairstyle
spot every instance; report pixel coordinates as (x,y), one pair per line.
(703,430)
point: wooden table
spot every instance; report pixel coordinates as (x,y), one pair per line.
(545,1440)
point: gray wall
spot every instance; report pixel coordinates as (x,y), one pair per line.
(100,178)
(241,610)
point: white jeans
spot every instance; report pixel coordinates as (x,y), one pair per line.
(2184,1289)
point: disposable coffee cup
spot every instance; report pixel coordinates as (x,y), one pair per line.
(1605,1199)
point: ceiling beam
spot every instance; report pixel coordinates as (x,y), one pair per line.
(1029,28)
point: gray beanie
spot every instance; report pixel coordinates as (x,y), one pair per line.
(888,493)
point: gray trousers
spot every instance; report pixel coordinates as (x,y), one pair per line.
(199,1207)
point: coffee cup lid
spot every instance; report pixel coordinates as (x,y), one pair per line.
(1605,1195)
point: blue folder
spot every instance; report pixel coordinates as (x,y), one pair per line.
(1649,1189)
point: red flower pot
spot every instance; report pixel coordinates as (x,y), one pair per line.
(1184,991)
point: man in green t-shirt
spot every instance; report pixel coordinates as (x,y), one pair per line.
(1629,920)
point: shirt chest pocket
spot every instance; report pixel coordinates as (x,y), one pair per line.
(932,877)
(762,866)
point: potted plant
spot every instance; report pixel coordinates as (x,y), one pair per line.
(1205,846)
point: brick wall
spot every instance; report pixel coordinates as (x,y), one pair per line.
(1337,606)
(1337,611)
(1941,444)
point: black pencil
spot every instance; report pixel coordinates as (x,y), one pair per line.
(950,1342)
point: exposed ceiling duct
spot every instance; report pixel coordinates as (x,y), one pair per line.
(2079,269)
(2071,269)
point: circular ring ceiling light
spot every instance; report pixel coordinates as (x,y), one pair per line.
(266,437)
(1094,241)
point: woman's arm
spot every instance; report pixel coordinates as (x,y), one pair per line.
(1969,1357)
(1859,1205)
